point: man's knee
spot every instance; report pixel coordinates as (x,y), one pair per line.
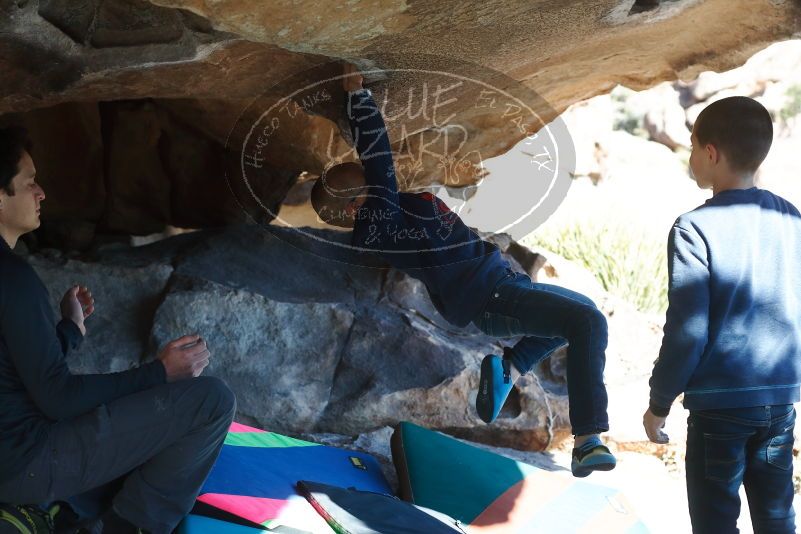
(215,391)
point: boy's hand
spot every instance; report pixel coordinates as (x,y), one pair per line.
(76,305)
(353,78)
(653,427)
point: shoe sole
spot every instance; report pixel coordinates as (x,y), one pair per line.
(485,380)
(582,471)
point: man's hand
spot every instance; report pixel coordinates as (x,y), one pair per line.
(353,78)
(185,357)
(76,305)
(653,427)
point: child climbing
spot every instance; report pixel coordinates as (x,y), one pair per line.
(468,280)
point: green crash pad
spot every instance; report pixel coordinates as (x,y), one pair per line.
(490,493)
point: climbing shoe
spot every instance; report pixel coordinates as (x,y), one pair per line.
(27,519)
(591,456)
(494,385)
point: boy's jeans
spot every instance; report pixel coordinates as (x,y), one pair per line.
(550,316)
(726,448)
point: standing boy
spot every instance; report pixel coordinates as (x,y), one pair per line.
(731,341)
(468,280)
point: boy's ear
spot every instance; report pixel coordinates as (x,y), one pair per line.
(713,153)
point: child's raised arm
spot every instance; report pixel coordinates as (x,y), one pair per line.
(372,142)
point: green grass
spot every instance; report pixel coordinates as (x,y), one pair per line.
(793,107)
(627,262)
(628,123)
(625,117)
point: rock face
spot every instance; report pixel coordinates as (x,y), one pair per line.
(177,80)
(540,40)
(313,345)
(122,49)
(127,299)
(266,351)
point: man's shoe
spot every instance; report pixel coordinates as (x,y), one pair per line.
(494,385)
(27,519)
(592,456)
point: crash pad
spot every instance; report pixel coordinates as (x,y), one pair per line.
(490,493)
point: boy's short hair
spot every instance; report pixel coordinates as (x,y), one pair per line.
(14,141)
(322,194)
(738,126)
(319,196)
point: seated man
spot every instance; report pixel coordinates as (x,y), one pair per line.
(468,280)
(142,440)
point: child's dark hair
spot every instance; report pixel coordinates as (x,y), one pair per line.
(738,126)
(322,193)
(14,141)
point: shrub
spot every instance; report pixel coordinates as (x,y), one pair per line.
(628,262)
(793,106)
(627,117)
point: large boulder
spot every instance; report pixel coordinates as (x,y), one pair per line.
(126,299)
(777,62)
(766,76)
(279,357)
(310,343)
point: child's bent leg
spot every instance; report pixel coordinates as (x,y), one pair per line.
(586,358)
(498,375)
(550,311)
(523,307)
(531,350)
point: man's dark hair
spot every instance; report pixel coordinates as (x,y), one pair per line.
(14,141)
(738,126)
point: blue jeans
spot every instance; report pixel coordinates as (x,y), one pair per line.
(549,317)
(751,446)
